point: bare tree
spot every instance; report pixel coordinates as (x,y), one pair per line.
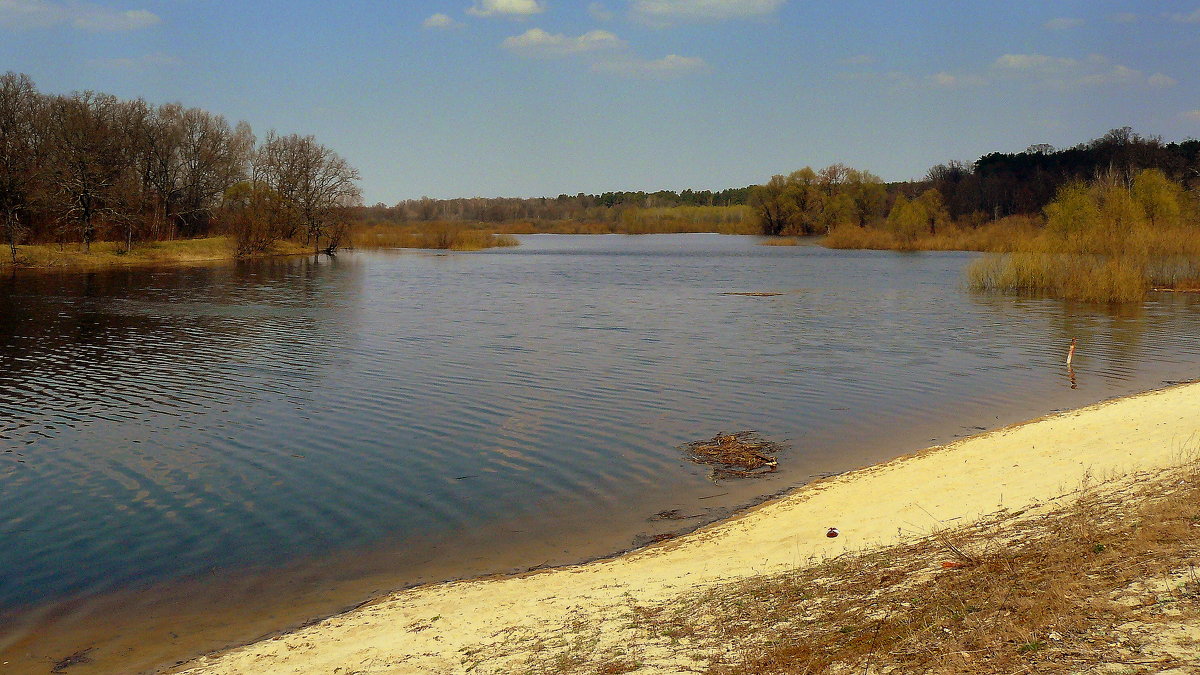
(213,157)
(19,152)
(86,160)
(316,186)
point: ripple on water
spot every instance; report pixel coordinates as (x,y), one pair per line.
(205,421)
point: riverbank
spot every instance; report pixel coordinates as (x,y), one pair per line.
(579,618)
(107,254)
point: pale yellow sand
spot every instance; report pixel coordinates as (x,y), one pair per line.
(442,628)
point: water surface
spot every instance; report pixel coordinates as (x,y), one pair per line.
(195,456)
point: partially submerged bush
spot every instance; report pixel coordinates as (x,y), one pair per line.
(1105,242)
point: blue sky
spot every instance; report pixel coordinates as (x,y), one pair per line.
(540,97)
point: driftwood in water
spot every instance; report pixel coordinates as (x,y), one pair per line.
(78,658)
(736,455)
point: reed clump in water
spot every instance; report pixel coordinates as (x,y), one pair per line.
(433,235)
(1000,236)
(1106,241)
(740,454)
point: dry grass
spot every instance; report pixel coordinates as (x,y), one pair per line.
(681,219)
(558,227)
(1084,588)
(1000,236)
(780,241)
(1116,268)
(112,254)
(1097,265)
(1089,278)
(433,235)
(634,220)
(1110,240)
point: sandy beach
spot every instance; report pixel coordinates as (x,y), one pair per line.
(463,626)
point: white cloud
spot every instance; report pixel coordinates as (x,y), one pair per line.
(671,65)
(1034,62)
(1123,17)
(1191,17)
(658,11)
(538,43)
(943,79)
(24,14)
(946,80)
(1061,72)
(441,21)
(1160,80)
(599,12)
(1063,23)
(1115,75)
(1193,115)
(137,63)
(507,8)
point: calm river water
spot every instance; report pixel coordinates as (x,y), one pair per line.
(193,457)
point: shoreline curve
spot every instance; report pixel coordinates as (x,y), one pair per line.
(434,628)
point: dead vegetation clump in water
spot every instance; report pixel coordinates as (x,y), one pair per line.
(736,455)
(1107,583)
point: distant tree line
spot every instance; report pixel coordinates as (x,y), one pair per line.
(605,207)
(1002,184)
(995,186)
(812,201)
(89,166)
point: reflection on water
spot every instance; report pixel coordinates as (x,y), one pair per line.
(383,418)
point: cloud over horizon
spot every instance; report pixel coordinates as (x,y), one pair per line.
(441,21)
(946,80)
(29,14)
(538,43)
(1190,17)
(137,63)
(671,65)
(1062,72)
(516,8)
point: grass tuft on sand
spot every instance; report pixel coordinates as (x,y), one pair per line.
(1080,588)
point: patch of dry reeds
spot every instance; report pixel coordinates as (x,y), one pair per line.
(999,236)
(102,254)
(433,235)
(1105,241)
(1112,268)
